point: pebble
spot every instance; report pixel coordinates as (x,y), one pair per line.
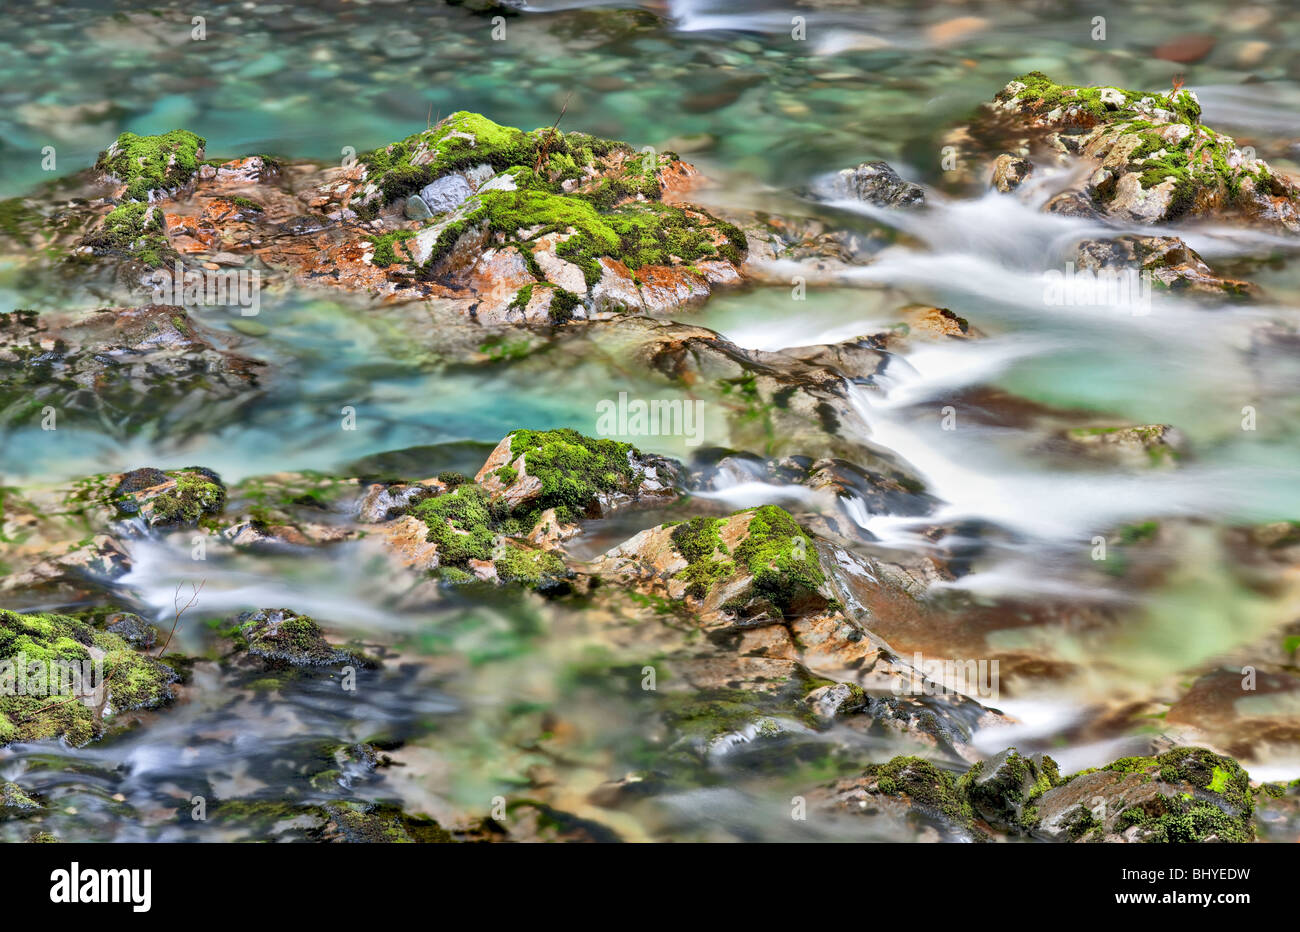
(1185,49)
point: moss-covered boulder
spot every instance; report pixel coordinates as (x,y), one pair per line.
(543,225)
(754,564)
(150,166)
(63,678)
(281,638)
(576,475)
(177,497)
(1184,795)
(1151,158)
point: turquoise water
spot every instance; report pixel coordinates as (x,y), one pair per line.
(488,678)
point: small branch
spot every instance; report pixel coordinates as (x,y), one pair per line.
(550,135)
(181,610)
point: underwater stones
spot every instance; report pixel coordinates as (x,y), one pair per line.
(122,367)
(283,637)
(875,183)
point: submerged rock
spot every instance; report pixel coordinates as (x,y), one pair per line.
(123,367)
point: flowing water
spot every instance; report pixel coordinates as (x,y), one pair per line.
(475,689)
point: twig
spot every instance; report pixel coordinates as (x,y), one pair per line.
(179,610)
(550,134)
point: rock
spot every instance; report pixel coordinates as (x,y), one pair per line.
(445,194)
(123,367)
(132,628)
(579,476)
(1183,795)
(1147,445)
(1143,157)
(281,637)
(111,679)
(179,498)
(1168,259)
(1009,171)
(1187,794)
(874,183)
(416,209)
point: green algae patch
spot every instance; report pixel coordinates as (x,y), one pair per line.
(68,663)
(150,165)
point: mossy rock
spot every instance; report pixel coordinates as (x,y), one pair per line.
(131,680)
(152,165)
(178,497)
(283,638)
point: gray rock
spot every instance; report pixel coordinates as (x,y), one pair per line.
(417,209)
(876,183)
(447,193)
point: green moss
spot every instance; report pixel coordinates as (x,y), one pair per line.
(387,246)
(573,469)
(195,494)
(461,523)
(924,785)
(133,229)
(535,568)
(643,231)
(781,557)
(149,165)
(132,680)
(699,542)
